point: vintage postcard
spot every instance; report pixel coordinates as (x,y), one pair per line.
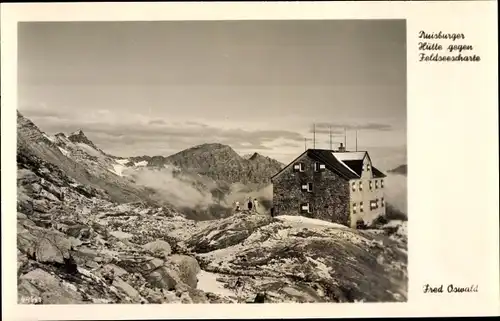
(185,160)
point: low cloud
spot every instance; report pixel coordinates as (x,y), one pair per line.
(194,192)
(241,193)
(338,128)
(180,191)
(129,131)
(396,192)
(157,122)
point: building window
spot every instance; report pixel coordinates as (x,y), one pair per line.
(354,187)
(361,206)
(318,167)
(368,166)
(360,186)
(376,184)
(373,205)
(382,202)
(354,208)
(307,187)
(381,183)
(299,167)
(370,184)
(305,208)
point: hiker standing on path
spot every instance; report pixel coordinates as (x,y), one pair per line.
(239,286)
(256,205)
(250,204)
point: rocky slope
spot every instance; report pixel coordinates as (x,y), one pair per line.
(293,259)
(80,161)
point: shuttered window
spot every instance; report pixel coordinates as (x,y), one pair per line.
(307,187)
(299,167)
(318,167)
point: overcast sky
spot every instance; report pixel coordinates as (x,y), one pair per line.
(156,88)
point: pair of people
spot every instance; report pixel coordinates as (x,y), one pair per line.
(251,204)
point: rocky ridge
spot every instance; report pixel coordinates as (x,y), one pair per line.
(218,162)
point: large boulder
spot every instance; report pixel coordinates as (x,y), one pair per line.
(164,278)
(158,248)
(79,231)
(187,267)
(151,265)
(46,246)
(42,287)
(139,264)
(114,269)
(127,289)
(189,294)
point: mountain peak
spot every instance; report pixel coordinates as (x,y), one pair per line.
(79,137)
(255,156)
(78,133)
(212,146)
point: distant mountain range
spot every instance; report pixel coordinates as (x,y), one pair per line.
(210,169)
(400,170)
(217,161)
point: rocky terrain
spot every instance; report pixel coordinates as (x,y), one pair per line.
(87,232)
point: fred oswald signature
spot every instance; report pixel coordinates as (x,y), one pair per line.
(450,288)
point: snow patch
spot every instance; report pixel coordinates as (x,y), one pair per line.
(49,138)
(121,235)
(141,163)
(118,169)
(402,226)
(207,282)
(308,221)
(122,161)
(322,269)
(63,151)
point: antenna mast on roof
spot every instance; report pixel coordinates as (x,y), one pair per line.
(356,140)
(330,137)
(345,138)
(314,136)
(305,143)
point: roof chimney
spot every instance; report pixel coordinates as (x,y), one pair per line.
(341,148)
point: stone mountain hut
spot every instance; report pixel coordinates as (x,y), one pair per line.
(337,186)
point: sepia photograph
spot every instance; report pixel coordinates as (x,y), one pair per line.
(237,161)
